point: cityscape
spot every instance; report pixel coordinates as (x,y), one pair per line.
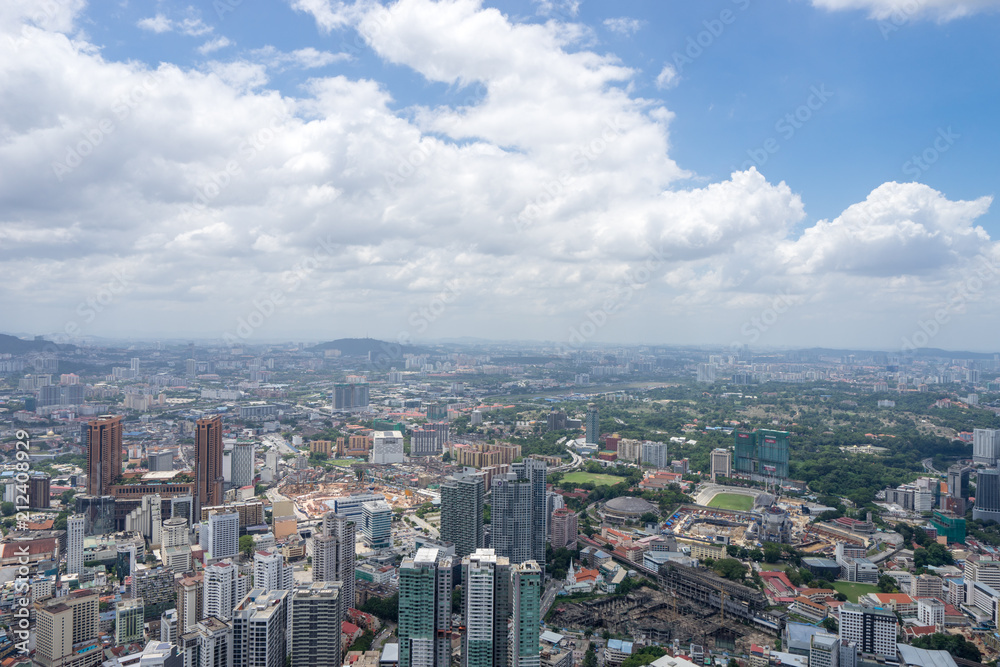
(499,333)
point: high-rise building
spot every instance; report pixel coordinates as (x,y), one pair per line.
(146,519)
(39,485)
(387,447)
(333,556)
(224,587)
(104,454)
(243,469)
(824,650)
(260,629)
(168,626)
(376,524)
(175,532)
(223,536)
(520,524)
(314,610)
(67,631)
(270,572)
(425,442)
(128,621)
(350,397)
(958,481)
(190,603)
(564,529)
(74,544)
(873,629)
(526,619)
(761,455)
(208,461)
(208,644)
(656,454)
(425,609)
(987,507)
(986,446)
(160,461)
(486,604)
(462,511)
(722,463)
(593,424)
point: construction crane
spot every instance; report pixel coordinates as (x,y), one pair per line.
(722,605)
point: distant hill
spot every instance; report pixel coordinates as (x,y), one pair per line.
(360,347)
(15,345)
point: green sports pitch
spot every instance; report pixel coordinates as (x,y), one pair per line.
(596,479)
(732,501)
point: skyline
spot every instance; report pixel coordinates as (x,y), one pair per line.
(413,172)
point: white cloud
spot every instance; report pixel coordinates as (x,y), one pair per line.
(192,26)
(569,8)
(329,14)
(904,10)
(213,45)
(158,24)
(667,78)
(307,58)
(624,25)
(542,191)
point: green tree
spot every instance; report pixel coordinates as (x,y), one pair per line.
(590,657)
(246,545)
(772,552)
(957,645)
(730,568)
(830,624)
(887,584)
(8,508)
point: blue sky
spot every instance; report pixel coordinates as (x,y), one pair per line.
(760,151)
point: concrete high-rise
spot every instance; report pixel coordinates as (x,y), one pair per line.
(462,511)
(519,520)
(208,644)
(592,423)
(564,529)
(243,464)
(525,618)
(761,455)
(190,590)
(224,587)
(208,462)
(376,524)
(873,629)
(75,526)
(104,454)
(67,631)
(722,463)
(223,538)
(987,507)
(333,556)
(314,610)
(260,629)
(486,604)
(986,446)
(270,572)
(425,583)
(128,621)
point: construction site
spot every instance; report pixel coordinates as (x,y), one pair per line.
(314,497)
(651,616)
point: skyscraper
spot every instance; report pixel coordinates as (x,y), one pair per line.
(564,529)
(722,463)
(520,524)
(104,454)
(270,571)
(592,424)
(243,469)
(128,621)
(208,644)
(224,587)
(987,507)
(223,534)
(486,600)
(761,455)
(208,461)
(260,629)
(74,544)
(525,620)
(425,610)
(67,631)
(315,609)
(333,555)
(190,592)
(986,445)
(376,524)
(350,397)
(462,511)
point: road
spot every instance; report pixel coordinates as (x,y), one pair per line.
(385,633)
(929,466)
(434,532)
(549,596)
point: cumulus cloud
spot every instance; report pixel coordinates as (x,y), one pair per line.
(942,10)
(667,78)
(624,25)
(308,58)
(213,45)
(192,26)
(539,193)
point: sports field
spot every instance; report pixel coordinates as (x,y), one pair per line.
(732,501)
(854,591)
(596,479)
(345,463)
